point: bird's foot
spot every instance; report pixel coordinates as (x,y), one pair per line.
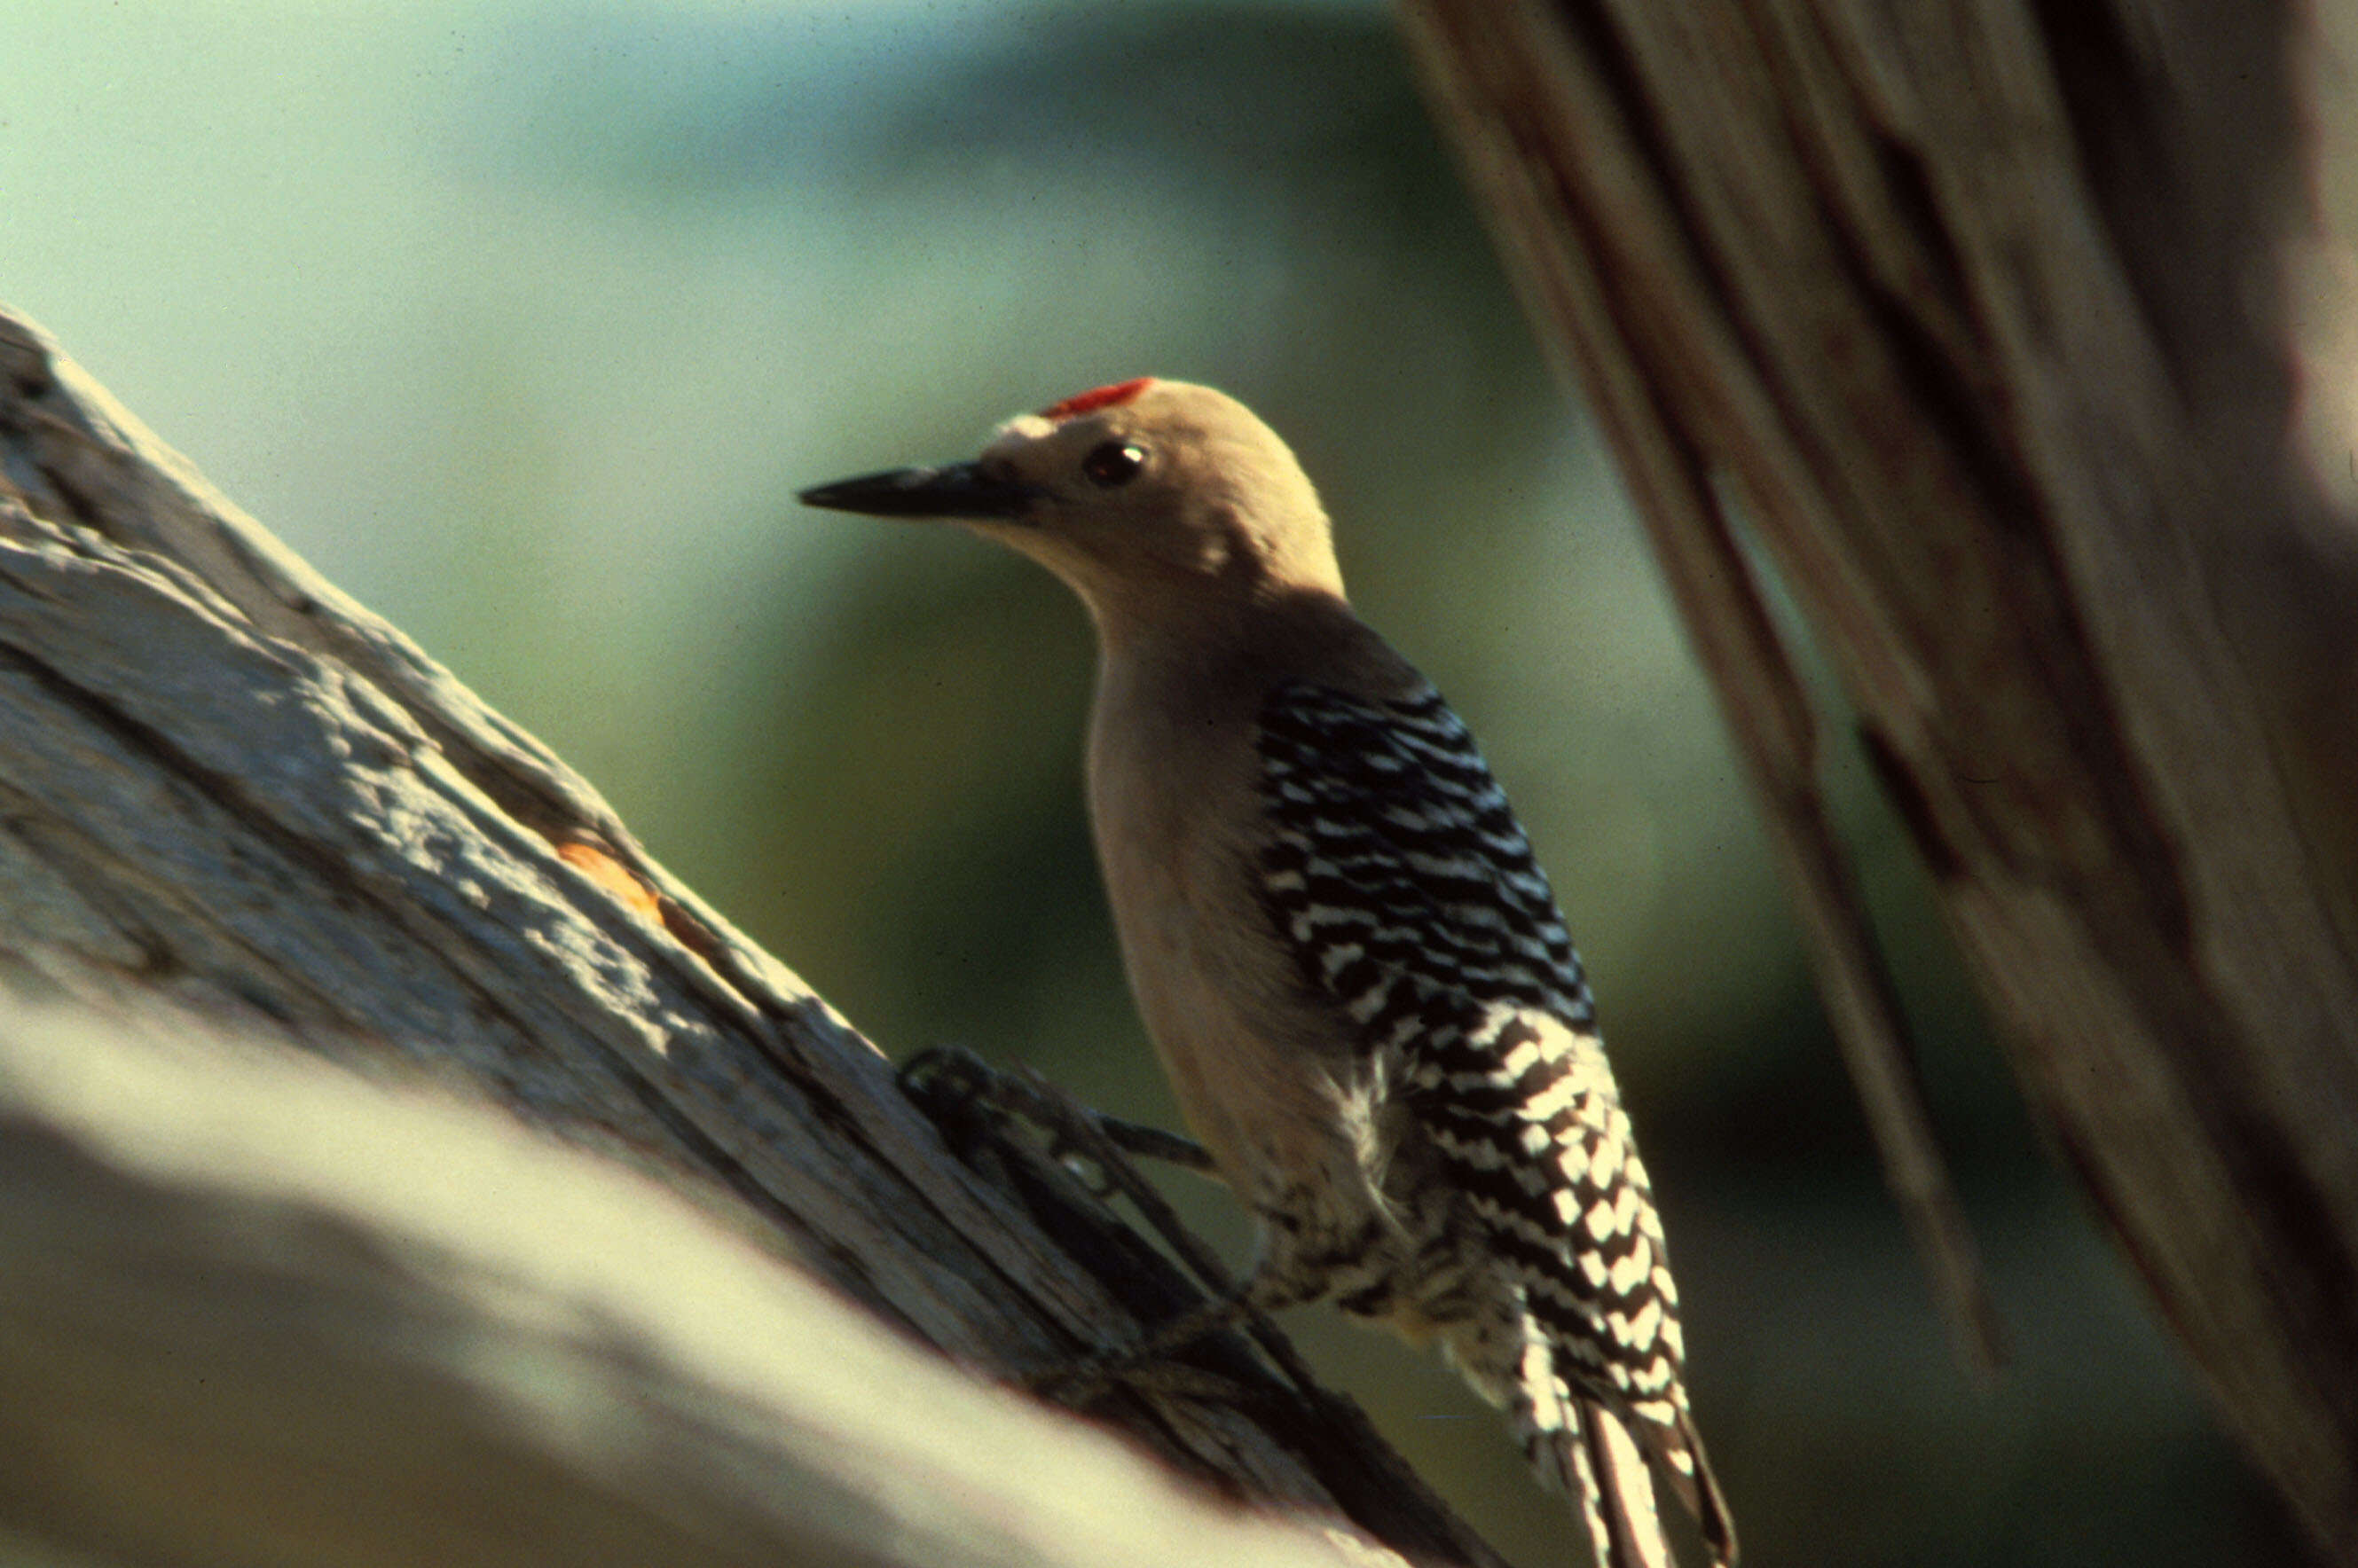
(951,1084)
(1085,1140)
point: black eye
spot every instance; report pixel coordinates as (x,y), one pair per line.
(1115,463)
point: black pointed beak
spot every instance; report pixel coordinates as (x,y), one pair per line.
(958,490)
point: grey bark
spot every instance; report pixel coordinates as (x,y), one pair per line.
(228,791)
(1972,312)
(251,1312)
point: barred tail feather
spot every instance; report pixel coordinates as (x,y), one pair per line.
(1630,1529)
(1678,1452)
(1597,1461)
(1566,1464)
(1583,1449)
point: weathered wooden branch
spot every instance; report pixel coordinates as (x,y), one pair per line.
(1971,306)
(226,789)
(255,1310)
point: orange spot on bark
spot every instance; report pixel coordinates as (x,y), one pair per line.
(613,876)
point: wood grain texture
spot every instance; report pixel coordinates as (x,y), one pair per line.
(226,788)
(255,1310)
(1970,308)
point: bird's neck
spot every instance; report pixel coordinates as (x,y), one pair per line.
(1233,652)
(1245,592)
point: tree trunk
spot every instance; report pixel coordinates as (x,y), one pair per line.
(242,1317)
(1974,309)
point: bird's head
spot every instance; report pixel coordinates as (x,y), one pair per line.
(1152,498)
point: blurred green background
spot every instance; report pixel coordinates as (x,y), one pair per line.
(523,320)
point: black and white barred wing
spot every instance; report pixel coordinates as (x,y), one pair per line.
(1411,895)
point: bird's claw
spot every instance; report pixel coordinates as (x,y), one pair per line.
(947,1073)
(1085,1142)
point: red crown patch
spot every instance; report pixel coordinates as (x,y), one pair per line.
(1090,402)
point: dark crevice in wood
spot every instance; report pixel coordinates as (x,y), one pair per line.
(1909,186)
(2111,101)
(79,507)
(1625,82)
(1909,804)
(1941,395)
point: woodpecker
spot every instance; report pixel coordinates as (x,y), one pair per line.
(1350,964)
